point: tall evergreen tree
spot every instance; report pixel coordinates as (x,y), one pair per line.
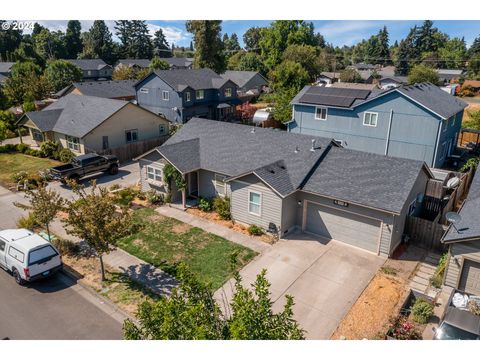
(73,41)
(233,44)
(135,39)
(98,43)
(251,37)
(10,39)
(208,44)
(160,45)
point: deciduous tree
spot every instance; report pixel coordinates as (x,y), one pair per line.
(61,73)
(422,73)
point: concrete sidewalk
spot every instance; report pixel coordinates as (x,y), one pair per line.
(138,270)
(214,228)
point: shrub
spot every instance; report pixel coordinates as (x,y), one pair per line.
(168,198)
(255,230)
(421,311)
(222,207)
(125,196)
(19,176)
(114,187)
(49,148)
(402,329)
(205,204)
(437,278)
(467,90)
(65,155)
(471,163)
(388,270)
(7,148)
(34,152)
(22,148)
(154,197)
(66,247)
(474,307)
(28,222)
(25,179)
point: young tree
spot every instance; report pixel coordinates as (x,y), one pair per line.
(289,75)
(247,111)
(25,83)
(158,64)
(73,41)
(93,216)
(61,73)
(350,75)
(208,44)
(191,313)
(422,73)
(124,73)
(160,45)
(44,204)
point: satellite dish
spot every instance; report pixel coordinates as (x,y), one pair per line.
(453,218)
(453,183)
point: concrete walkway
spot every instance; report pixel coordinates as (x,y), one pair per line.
(138,270)
(214,228)
(421,279)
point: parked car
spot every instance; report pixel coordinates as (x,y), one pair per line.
(27,256)
(458,322)
(84,165)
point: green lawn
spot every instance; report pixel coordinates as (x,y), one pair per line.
(15,162)
(164,241)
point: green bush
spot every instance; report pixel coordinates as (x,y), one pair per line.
(168,198)
(66,247)
(8,148)
(222,207)
(28,222)
(471,163)
(65,155)
(22,148)
(31,181)
(125,196)
(437,278)
(154,197)
(114,187)
(255,230)
(34,152)
(205,204)
(421,311)
(49,148)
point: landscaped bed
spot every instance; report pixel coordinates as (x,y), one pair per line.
(164,242)
(12,163)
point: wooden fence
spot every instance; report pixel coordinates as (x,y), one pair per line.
(128,152)
(468,136)
(425,233)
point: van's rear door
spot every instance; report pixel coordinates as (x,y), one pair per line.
(42,259)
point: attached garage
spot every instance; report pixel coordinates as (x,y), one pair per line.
(470,278)
(353,229)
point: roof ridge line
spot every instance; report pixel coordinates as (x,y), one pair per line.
(315,166)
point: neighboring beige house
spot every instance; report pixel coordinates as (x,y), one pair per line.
(91,124)
(463,238)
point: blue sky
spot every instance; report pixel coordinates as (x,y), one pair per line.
(338,32)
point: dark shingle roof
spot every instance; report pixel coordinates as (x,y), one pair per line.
(427,95)
(178,61)
(469,225)
(5,67)
(76,115)
(241,78)
(89,64)
(143,63)
(197,79)
(364,178)
(286,163)
(105,89)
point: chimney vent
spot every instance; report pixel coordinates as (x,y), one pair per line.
(296,150)
(253,130)
(313,145)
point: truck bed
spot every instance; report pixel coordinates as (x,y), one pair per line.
(63,168)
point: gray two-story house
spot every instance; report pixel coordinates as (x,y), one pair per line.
(181,94)
(93,69)
(419,122)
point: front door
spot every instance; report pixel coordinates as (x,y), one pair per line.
(193,184)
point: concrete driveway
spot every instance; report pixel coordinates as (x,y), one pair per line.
(128,175)
(324,277)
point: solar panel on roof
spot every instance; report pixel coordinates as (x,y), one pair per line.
(341,97)
(355,93)
(327,100)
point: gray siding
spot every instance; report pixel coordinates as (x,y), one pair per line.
(413,130)
(385,218)
(270,209)
(154,159)
(290,209)
(207,184)
(257,82)
(461,250)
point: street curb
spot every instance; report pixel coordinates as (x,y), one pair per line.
(109,303)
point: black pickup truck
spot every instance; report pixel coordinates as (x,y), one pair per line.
(84,165)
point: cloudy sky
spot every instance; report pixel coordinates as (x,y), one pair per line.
(338,32)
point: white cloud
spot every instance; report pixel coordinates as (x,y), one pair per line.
(172,34)
(348,32)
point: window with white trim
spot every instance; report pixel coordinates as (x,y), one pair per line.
(255,203)
(144,90)
(320,113)
(154,174)
(228,92)
(37,135)
(165,95)
(131,136)
(187,96)
(73,143)
(199,94)
(370,118)
(220,187)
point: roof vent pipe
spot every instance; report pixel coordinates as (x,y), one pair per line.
(253,130)
(296,150)
(313,145)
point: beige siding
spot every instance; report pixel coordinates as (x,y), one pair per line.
(384,217)
(154,159)
(290,208)
(458,253)
(61,138)
(270,207)
(128,118)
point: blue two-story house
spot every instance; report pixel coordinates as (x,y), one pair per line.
(419,122)
(181,94)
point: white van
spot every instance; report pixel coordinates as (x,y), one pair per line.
(27,255)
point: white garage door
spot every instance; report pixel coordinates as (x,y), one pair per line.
(470,280)
(343,226)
